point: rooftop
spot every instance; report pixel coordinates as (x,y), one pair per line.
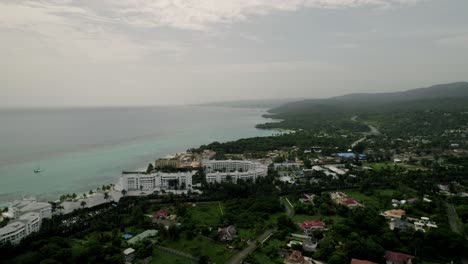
(396,256)
(358,261)
(12,227)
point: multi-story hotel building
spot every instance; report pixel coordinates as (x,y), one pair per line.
(221,170)
(156,181)
(28,215)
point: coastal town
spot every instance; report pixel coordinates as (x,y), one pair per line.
(347,187)
(310,216)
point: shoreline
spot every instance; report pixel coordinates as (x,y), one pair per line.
(52,195)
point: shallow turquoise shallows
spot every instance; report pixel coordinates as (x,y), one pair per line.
(81,149)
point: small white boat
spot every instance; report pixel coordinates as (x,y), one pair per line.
(37,170)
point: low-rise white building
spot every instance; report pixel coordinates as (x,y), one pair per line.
(13,233)
(223,170)
(20,207)
(156,181)
(25,225)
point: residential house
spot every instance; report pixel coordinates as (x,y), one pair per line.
(358,261)
(160,214)
(143,235)
(392,257)
(296,258)
(129,254)
(227,233)
(400,224)
(394,214)
(310,244)
(310,226)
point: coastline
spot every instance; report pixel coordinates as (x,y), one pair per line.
(54,194)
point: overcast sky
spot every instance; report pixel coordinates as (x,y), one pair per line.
(143,52)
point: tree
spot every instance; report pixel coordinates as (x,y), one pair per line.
(150,168)
(124,192)
(307,164)
(60,208)
(83,203)
(106,195)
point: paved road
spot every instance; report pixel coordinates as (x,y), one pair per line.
(454,223)
(373,131)
(236,259)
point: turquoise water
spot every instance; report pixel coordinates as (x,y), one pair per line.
(81,149)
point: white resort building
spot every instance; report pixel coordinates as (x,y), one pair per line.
(27,216)
(221,170)
(156,181)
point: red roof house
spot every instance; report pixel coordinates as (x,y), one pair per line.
(349,202)
(160,214)
(397,258)
(358,261)
(312,224)
(295,258)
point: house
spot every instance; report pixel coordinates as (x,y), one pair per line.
(309,226)
(296,258)
(227,233)
(342,198)
(349,202)
(141,236)
(307,198)
(358,261)
(129,254)
(397,258)
(394,213)
(310,244)
(160,214)
(400,224)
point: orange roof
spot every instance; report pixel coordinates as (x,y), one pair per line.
(358,261)
(395,212)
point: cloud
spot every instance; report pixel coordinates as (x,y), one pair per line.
(181,14)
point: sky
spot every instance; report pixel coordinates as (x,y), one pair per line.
(163,52)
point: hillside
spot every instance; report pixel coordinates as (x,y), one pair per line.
(443,95)
(263,103)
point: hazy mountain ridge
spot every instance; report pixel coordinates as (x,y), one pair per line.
(254,103)
(453,94)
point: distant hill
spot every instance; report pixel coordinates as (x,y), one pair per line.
(264,103)
(452,94)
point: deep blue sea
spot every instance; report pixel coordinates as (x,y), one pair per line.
(81,149)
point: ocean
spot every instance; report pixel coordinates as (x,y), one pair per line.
(81,149)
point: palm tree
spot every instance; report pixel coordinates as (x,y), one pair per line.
(60,208)
(106,195)
(124,192)
(83,203)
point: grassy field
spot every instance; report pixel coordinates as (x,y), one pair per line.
(299,218)
(201,246)
(374,200)
(206,213)
(160,257)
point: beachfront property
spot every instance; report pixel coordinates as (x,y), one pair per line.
(20,207)
(140,181)
(28,216)
(222,170)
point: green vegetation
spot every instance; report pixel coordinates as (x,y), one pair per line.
(160,256)
(201,246)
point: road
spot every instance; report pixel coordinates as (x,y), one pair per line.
(373,131)
(454,223)
(236,259)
